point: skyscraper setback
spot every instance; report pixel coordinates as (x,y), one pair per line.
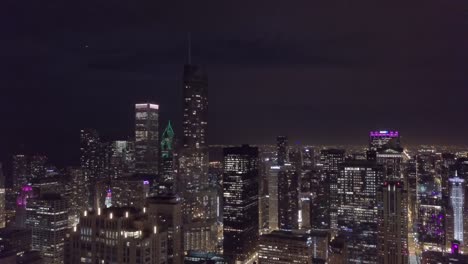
(147,138)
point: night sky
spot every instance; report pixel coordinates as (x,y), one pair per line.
(317,71)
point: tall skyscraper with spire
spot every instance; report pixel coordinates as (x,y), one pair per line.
(200,200)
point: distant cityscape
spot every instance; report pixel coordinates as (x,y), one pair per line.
(168,197)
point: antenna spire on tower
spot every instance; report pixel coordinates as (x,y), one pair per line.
(189,40)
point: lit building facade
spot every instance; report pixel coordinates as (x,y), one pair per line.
(288,197)
(122,159)
(116,235)
(166,212)
(199,198)
(38,166)
(20,171)
(47,216)
(358,208)
(377,139)
(393,223)
(330,161)
(240,203)
(457,204)
(281,247)
(92,162)
(147,138)
(282,150)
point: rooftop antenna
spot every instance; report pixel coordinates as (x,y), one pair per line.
(189,39)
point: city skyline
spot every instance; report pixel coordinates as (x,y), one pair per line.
(287,69)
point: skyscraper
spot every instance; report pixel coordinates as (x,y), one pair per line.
(92,162)
(288,197)
(47,216)
(122,159)
(200,199)
(167,159)
(378,139)
(147,138)
(116,235)
(166,212)
(358,208)
(393,223)
(330,161)
(240,202)
(282,150)
(38,168)
(457,204)
(20,171)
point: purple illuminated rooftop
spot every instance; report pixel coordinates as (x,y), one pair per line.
(384,133)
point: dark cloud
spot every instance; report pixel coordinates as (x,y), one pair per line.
(320,71)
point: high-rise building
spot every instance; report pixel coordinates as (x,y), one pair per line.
(378,139)
(330,161)
(147,138)
(47,216)
(38,166)
(358,208)
(20,171)
(393,223)
(2,199)
(430,206)
(92,162)
(25,194)
(122,197)
(281,246)
(167,160)
(116,235)
(78,197)
(319,211)
(282,150)
(457,206)
(240,203)
(199,198)
(122,159)
(166,212)
(288,197)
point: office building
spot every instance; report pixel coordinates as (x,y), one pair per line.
(378,139)
(47,217)
(281,246)
(457,206)
(393,223)
(92,162)
(200,198)
(122,197)
(147,138)
(288,197)
(330,160)
(168,160)
(122,159)
(240,203)
(78,197)
(358,208)
(282,150)
(38,166)
(21,174)
(116,235)
(26,193)
(166,212)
